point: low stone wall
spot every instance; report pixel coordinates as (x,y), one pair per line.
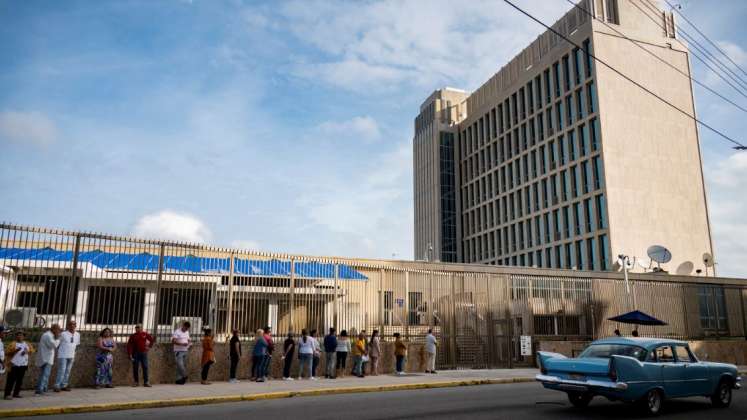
(162,366)
(726,351)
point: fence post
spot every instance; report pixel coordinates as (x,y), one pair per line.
(335,309)
(741,302)
(159,276)
(509,323)
(489,324)
(229,310)
(381,301)
(431,320)
(452,324)
(407,305)
(291,302)
(72,287)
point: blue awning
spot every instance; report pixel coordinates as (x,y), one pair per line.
(186,264)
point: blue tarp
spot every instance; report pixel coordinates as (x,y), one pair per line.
(185,264)
(637,317)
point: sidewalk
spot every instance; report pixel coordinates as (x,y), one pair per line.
(123,398)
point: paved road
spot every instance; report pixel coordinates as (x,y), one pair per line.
(516,401)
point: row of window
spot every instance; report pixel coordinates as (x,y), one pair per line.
(564,223)
(557,189)
(584,254)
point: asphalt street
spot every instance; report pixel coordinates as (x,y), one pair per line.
(524,401)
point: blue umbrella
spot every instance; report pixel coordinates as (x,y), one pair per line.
(637,317)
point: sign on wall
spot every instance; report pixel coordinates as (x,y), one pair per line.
(526,345)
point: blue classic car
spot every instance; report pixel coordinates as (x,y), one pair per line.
(639,370)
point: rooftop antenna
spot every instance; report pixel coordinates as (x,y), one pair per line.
(660,255)
(708,262)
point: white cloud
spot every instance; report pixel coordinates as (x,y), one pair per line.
(364,128)
(245,244)
(728,207)
(171,225)
(734,51)
(27,127)
(381,45)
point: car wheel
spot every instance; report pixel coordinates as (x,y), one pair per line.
(722,396)
(579,399)
(652,402)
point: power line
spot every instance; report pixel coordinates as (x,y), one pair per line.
(588,53)
(696,46)
(676,10)
(694,80)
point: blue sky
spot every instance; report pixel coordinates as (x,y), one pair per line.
(282,126)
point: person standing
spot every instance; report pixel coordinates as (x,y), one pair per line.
(289,347)
(138,346)
(258,355)
(69,341)
(374,352)
(359,350)
(235,355)
(330,349)
(18,351)
(430,352)
(267,361)
(305,354)
(317,354)
(105,359)
(2,350)
(400,351)
(182,342)
(49,342)
(208,355)
(343,348)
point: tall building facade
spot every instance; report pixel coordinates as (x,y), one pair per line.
(557,161)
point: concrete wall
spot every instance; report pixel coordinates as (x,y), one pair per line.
(725,351)
(163,368)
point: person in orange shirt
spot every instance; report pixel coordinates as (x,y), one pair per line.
(208,355)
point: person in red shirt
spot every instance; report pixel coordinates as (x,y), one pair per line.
(137,347)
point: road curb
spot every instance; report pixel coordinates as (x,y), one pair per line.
(92,408)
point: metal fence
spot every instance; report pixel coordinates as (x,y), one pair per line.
(477,312)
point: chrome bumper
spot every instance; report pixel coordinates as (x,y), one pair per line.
(572,385)
(738,383)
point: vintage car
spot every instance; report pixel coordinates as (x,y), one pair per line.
(639,370)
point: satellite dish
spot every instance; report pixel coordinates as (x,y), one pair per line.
(685,268)
(708,259)
(644,265)
(14,317)
(630,263)
(659,254)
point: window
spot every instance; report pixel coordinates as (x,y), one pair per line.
(577,65)
(566,74)
(556,78)
(591,91)
(606,351)
(613,15)
(595,138)
(183,302)
(589,216)
(598,172)
(559,114)
(115,305)
(601,211)
(417,311)
(578,218)
(664,354)
(389,304)
(571,145)
(583,131)
(548,94)
(588,52)
(712,308)
(580,104)
(683,354)
(48,294)
(604,246)
(570,117)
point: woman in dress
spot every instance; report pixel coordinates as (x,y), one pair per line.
(374,352)
(105,359)
(208,355)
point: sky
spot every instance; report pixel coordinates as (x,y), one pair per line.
(276,126)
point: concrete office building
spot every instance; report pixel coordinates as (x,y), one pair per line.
(557,161)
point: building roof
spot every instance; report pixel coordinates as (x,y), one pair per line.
(145,261)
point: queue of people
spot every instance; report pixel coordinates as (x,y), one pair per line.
(58,347)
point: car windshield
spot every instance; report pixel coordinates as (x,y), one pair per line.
(608,350)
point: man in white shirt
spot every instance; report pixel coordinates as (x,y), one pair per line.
(181,341)
(69,341)
(49,342)
(2,350)
(430,352)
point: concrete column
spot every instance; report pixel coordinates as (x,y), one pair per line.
(272,313)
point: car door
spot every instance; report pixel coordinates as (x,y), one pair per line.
(672,373)
(696,380)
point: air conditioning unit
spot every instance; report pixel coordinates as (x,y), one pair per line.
(21,317)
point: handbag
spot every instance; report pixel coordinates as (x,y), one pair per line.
(365,358)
